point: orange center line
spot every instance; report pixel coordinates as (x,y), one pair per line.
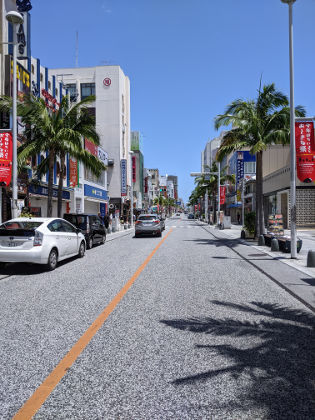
(37,399)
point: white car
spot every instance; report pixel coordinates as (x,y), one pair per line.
(40,240)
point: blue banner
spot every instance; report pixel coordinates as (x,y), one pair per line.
(240,166)
(38,189)
(94,192)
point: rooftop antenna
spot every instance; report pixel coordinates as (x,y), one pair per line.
(77,49)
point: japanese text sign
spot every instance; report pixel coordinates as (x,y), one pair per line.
(240,166)
(222,194)
(73,172)
(5,157)
(305,151)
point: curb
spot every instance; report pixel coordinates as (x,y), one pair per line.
(112,236)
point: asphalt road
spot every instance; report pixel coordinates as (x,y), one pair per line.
(199,334)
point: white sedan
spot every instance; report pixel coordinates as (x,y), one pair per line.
(39,240)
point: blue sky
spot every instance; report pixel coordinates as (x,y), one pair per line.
(186,60)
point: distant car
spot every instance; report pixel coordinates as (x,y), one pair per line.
(178,214)
(91,226)
(148,224)
(39,240)
(191,216)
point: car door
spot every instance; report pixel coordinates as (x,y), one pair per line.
(72,237)
(94,226)
(57,232)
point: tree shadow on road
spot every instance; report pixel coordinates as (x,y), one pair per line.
(231,243)
(280,365)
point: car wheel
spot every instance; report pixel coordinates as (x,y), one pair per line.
(159,234)
(103,239)
(52,260)
(89,243)
(81,250)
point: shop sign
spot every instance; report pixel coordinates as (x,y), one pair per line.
(134,173)
(73,172)
(103,209)
(51,102)
(22,75)
(96,151)
(94,192)
(240,166)
(305,151)
(40,190)
(5,157)
(123,171)
(222,194)
(22,36)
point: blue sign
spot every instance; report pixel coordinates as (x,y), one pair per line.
(39,190)
(94,192)
(123,170)
(103,209)
(240,166)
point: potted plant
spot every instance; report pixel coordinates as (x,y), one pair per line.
(249,225)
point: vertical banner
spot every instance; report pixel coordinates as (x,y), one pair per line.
(222,194)
(305,151)
(5,157)
(123,172)
(134,172)
(240,166)
(73,171)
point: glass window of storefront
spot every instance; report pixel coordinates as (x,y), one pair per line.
(87,89)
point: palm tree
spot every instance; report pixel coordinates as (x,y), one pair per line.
(57,133)
(256,124)
(160,200)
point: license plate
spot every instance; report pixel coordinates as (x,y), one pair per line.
(13,244)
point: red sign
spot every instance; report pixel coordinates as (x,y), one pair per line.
(73,172)
(222,194)
(51,102)
(134,173)
(107,81)
(305,151)
(5,157)
(91,147)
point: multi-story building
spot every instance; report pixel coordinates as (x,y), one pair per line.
(174,180)
(137,169)
(154,192)
(148,202)
(112,113)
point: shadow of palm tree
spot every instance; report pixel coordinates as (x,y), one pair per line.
(281,368)
(232,243)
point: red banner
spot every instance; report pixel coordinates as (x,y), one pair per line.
(91,147)
(5,157)
(305,151)
(222,194)
(73,172)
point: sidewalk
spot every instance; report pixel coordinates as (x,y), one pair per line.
(292,275)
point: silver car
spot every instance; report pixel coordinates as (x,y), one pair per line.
(39,240)
(148,224)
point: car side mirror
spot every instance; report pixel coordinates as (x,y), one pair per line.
(78,230)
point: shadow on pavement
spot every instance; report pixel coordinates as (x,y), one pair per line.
(232,243)
(280,368)
(22,269)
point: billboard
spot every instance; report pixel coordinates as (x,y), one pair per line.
(5,157)
(123,172)
(305,151)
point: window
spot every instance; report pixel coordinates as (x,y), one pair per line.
(87,89)
(72,89)
(249,167)
(41,77)
(49,84)
(67,227)
(89,176)
(56,91)
(32,69)
(55,226)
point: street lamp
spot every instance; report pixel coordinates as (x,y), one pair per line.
(292,136)
(131,190)
(15,19)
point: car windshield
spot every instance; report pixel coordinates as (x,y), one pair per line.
(147,217)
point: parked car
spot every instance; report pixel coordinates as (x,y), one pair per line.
(148,224)
(91,226)
(191,216)
(39,240)
(162,221)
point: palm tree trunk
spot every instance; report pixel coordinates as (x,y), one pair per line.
(259,195)
(60,183)
(51,162)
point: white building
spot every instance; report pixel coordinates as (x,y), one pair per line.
(112,112)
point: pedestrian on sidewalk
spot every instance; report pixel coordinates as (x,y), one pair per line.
(238,218)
